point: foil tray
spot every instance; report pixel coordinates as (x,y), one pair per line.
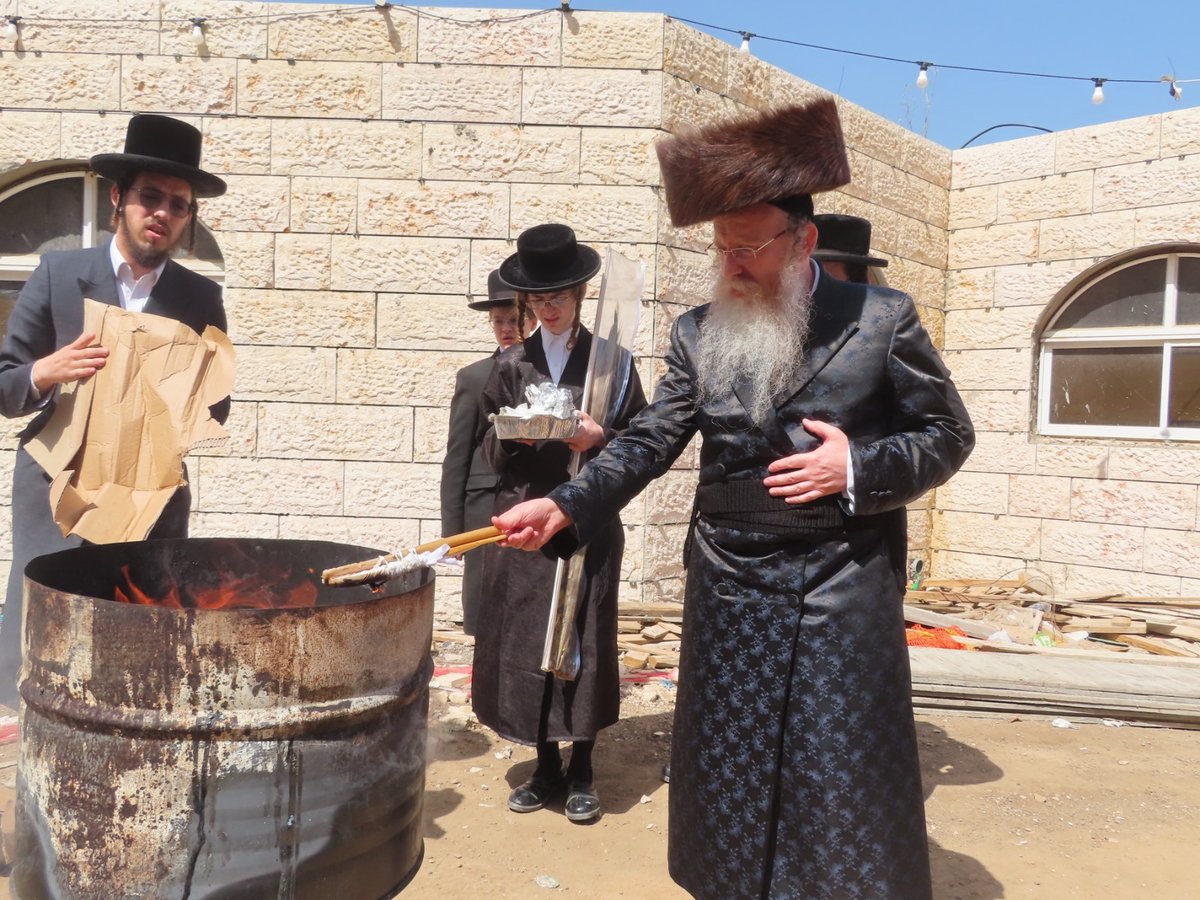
(534,428)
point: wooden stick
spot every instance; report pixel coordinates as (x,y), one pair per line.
(460,549)
(355,573)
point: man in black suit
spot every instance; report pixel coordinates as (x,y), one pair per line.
(468,482)
(156,182)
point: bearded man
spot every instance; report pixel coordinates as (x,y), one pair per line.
(155,183)
(824,409)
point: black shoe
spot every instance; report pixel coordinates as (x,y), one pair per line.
(535,793)
(582,803)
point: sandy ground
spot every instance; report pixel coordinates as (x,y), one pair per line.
(1016,808)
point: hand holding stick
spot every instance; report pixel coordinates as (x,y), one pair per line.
(381,568)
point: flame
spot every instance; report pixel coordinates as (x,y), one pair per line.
(261,591)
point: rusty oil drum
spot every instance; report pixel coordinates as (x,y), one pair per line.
(220,753)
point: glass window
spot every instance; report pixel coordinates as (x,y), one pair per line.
(45,217)
(8,299)
(1106,387)
(1131,296)
(1185,388)
(1189,291)
(1122,356)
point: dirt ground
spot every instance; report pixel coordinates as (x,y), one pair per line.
(1016,808)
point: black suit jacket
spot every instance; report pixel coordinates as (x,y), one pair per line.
(48,315)
(468,482)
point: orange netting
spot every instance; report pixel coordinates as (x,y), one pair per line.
(920,636)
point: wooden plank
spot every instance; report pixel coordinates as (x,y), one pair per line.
(1104,626)
(1156,646)
(668,611)
(937,620)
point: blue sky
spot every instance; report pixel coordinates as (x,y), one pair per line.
(1102,38)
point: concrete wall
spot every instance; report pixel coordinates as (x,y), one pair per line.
(381,163)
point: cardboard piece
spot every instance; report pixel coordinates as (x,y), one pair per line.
(114,445)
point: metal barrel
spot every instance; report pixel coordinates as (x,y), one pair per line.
(273,752)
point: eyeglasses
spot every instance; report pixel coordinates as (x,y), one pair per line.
(153,198)
(742,254)
(544,301)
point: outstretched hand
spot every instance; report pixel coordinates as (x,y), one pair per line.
(529,525)
(78,359)
(804,477)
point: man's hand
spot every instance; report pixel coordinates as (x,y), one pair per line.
(78,359)
(804,477)
(528,525)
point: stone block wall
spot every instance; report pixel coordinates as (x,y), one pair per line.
(380,163)
(1026,218)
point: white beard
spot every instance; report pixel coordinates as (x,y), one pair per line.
(755,338)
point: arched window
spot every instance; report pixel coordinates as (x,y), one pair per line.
(68,210)
(1120,355)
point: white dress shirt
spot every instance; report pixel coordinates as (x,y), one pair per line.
(557,351)
(133,293)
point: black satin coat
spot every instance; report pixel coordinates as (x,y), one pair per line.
(509,691)
(794,762)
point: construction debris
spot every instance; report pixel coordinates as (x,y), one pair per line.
(997,614)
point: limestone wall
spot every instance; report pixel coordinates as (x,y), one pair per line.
(379,165)
(1026,217)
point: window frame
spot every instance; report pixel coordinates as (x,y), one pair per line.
(1163,336)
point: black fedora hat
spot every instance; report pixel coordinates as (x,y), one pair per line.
(160,144)
(548,258)
(499,294)
(844,239)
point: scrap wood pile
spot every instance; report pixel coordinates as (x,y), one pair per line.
(648,635)
(1109,656)
(1024,615)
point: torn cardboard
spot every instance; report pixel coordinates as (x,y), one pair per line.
(114,445)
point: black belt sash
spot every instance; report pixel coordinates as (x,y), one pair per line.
(746,505)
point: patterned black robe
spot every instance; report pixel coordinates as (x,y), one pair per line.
(794,762)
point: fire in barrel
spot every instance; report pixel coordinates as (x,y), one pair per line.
(204,718)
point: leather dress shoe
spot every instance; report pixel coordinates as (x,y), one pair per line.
(535,793)
(582,803)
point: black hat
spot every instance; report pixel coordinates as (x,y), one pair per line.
(498,294)
(844,239)
(548,258)
(160,144)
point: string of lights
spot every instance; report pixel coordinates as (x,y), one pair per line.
(202,26)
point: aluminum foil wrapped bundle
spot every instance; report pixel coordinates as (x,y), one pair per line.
(548,414)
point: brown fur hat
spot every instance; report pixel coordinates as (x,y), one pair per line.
(774,156)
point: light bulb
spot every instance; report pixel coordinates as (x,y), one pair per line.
(1098,91)
(198,35)
(11,32)
(923,76)
(745,48)
(1175,91)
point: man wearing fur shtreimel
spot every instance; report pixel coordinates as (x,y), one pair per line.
(823,409)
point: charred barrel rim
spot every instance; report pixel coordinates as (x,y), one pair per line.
(92,571)
(87,575)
